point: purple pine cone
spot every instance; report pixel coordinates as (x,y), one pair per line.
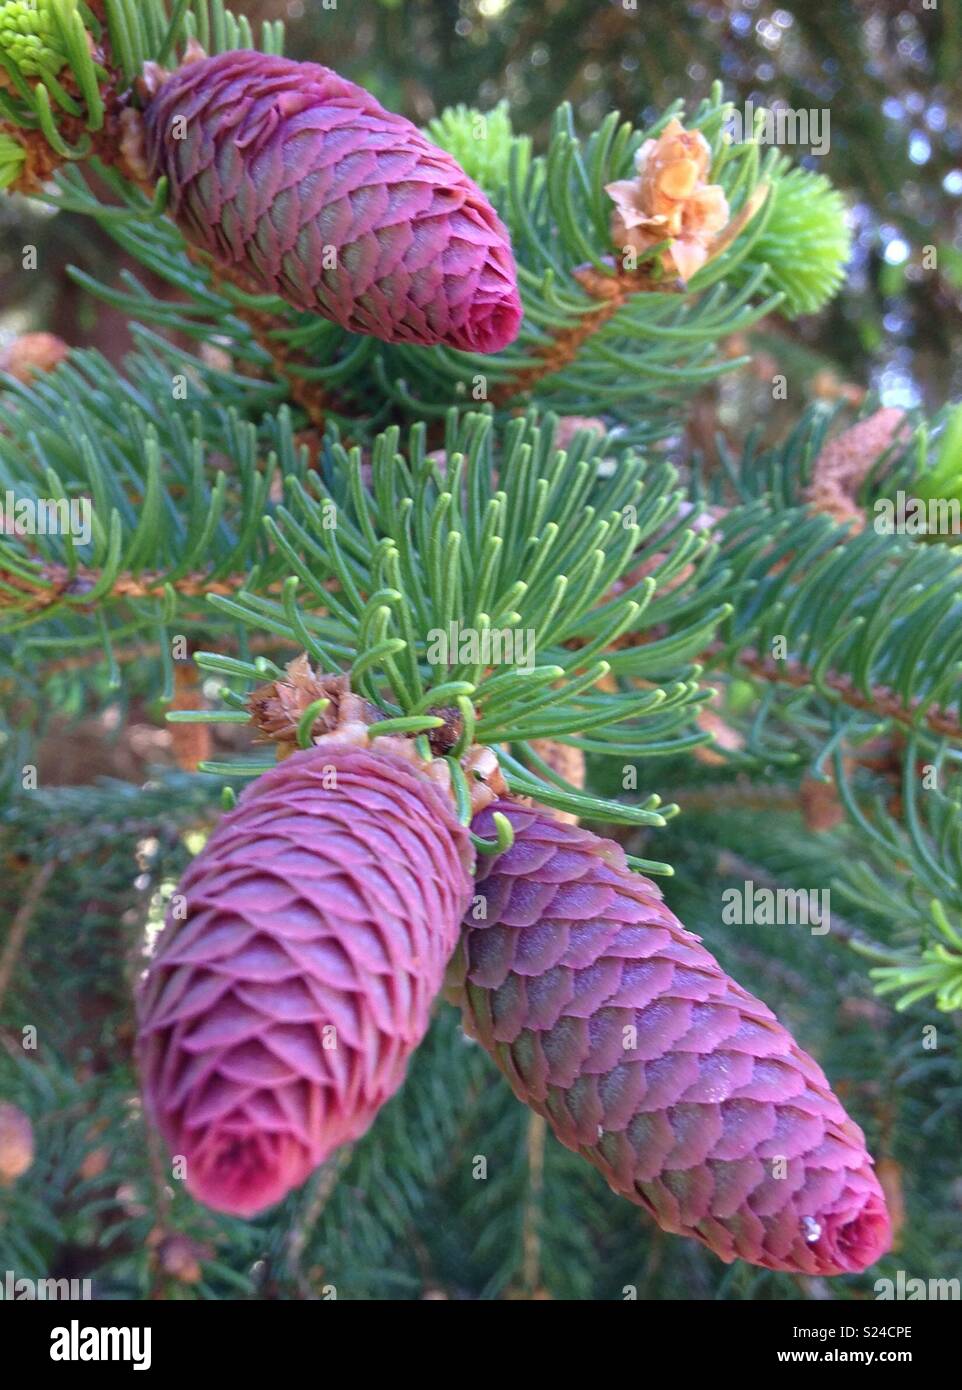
(302,181)
(616,1024)
(279,1014)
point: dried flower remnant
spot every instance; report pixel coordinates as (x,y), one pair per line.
(671,200)
(846,461)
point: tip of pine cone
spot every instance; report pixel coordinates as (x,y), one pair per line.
(492,327)
(852,1240)
(244,1175)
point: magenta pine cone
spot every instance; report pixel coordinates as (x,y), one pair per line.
(280,163)
(279,1014)
(616,1024)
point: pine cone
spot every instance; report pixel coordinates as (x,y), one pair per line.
(613,1022)
(280,164)
(279,1014)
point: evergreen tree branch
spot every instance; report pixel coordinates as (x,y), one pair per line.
(581,321)
(878,700)
(320,1191)
(613,291)
(288,362)
(565,343)
(149,651)
(52,584)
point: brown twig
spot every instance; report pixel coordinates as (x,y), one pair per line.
(21,922)
(55,582)
(531,1237)
(731,865)
(324,1183)
(881,700)
(612,292)
(313,398)
(737,796)
(150,651)
(316,402)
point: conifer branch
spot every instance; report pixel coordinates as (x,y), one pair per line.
(208,510)
(316,402)
(613,291)
(880,700)
(564,345)
(54,583)
(257,645)
(267,328)
(735,866)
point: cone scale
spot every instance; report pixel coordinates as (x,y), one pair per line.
(613,1022)
(300,181)
(281,1006)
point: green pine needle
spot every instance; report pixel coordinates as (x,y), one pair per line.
(806,242)
(476,578)
(30,36)
(942,477)
(483,143)
(13,156)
